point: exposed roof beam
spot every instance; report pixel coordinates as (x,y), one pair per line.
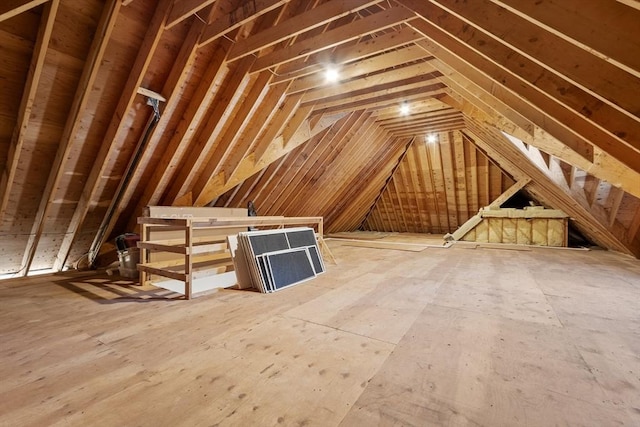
(303,134)
(594,26)
(422,72)
(211,164)
(433,128)
(305,21)
(631,3)
(178,75)
(420,117)
(515,162)
(314,156)
(177,146)
(383,95)
(370,24)
(286,123)
(292,137)
(26,105)
(584,193)
(384,61)
(384,102)
(505,82)
(243,166)
(599,164)
(11,8)
(260,126)
(429,105)
(569,104)
(596,76)
(510,192)
(348,53)
(241,119)
(182,9)
(237,17)
(422,124)
(115,133)
(479,89)
(352,204)
(73,124)
(223,106)
(347,156)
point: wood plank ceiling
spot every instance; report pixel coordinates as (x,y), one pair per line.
(543,93)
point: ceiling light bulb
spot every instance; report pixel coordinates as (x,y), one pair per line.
(404,109)
(432,138)
(331,75)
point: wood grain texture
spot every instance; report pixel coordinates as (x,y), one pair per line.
(430,181)
(249,114)
(451,336)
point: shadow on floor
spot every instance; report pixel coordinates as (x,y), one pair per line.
(102,288)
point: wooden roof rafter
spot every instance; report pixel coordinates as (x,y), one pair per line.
(541,87)
(177,77)
(381,99)
(350,52)
(245,95)
(392,78)
(594,27)
(237,17)
(313,18)
(584,193)
(595,75)
(242,117)
(378,64)
(194,114)
(548,191)
(11,8)
(95,180)
(224,104)
(72,126)
(337,36)
(182,9)
(27,101)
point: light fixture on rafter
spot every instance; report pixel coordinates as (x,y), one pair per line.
(405,109)
(431,138)
(331,74)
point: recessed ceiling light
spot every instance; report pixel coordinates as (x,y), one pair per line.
(405,109)
(432,138)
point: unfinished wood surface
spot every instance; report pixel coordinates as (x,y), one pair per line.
(183,247)
(443,337)
(411,247)
(248,113)
(430,180)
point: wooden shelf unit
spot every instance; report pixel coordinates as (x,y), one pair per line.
(201,257)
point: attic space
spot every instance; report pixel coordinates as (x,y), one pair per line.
(458,162)
(507,92)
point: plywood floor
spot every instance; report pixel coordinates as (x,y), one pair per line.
(454,337)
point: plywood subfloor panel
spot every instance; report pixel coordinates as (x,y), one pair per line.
(440,337)
(395,246)
(361,235)
(409,238)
